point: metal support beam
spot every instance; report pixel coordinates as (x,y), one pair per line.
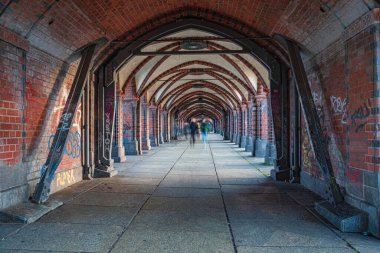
(107,104)
(42,191)
(314,129)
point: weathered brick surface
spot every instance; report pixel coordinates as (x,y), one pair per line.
(34,88)
(343,83)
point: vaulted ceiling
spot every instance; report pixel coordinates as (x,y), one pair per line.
(59,27)
(161,72)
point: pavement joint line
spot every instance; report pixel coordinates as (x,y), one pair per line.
(224,203)
(80,194)
(324,223)
(150,195)
(264,174)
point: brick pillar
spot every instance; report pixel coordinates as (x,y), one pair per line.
(255,122)
(238,127)
(153,126)
(165,126)
(139,126)
(249,144)
(232,126)
(160,126)
(145,138)
(262,123)
(130,126)
(243,122)
(118,149)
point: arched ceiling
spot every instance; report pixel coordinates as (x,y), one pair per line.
(60,27)
(211,77)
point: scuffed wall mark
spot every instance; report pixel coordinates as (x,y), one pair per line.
(360,115)
(353,176)
(339,106)
(65,178)
(73,145)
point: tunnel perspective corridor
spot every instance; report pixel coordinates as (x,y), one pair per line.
(179,198)
(100,101)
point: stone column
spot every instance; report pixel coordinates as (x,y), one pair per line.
(145,138)
(130,127)
(165,126)
(249,145)
(238,127)
(232,126)
(153,126)
(262,123)
(118,149)
(139,126)
(159,127)
(243,122)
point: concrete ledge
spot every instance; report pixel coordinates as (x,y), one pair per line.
(28,212)
(345,217)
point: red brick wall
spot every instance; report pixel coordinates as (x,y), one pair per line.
(12,82)
(344,92)
(33,90)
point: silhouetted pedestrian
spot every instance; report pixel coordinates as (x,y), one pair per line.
(193,131)
(205,128)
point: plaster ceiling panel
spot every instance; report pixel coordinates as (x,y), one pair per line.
(144,71)
(176,60)
(128,67)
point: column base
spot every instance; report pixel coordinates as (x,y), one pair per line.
(131,148)
(260,147)
(120,155)
(243,141)
(146,145)
(232,138)
(153,142)
(249,145)
(237,139)
(105,170)
(270,154)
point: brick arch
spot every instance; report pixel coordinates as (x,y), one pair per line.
(194,102)
(196,99)
(190,84)
(202,93)
(211,45)
(188,12)
(226,83)
(199,108)
(180,67)
(198,113)
(195,95)
(174,46)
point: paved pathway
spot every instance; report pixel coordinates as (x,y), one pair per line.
(182,199)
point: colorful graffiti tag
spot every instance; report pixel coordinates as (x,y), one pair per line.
(73,144)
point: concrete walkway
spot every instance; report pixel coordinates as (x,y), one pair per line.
(180,199)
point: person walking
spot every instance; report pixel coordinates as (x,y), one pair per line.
(186,130)
(205,128)
(193,130)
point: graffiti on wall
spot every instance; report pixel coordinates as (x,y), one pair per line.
(73,144)
(360,115)
(318,101)
(339,106)
(65,178)
(127,131)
